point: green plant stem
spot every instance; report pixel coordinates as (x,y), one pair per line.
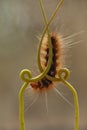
(21,105)
(76,104)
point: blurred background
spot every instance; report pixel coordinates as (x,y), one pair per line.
(20,24)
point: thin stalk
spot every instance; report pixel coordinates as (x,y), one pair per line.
(76,104)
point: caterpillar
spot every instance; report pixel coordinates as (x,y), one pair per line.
(45,83)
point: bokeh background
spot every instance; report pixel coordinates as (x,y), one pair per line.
(20,24)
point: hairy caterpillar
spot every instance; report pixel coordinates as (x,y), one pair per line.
(56,61)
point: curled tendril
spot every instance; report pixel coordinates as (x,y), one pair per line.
(63,74)
(26,75)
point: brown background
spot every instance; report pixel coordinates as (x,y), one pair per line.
(20,23)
